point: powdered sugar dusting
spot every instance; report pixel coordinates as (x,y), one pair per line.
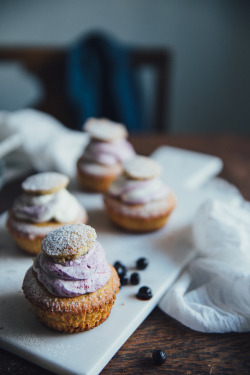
(69,241)
(142,168)
(46,182)
(105,130)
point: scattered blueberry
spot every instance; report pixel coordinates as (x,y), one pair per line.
(135,278)
(121,270)
(142,263)
(159,356)
(117,264)
(124,280)
(144,293)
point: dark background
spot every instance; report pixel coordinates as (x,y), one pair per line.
(209,41)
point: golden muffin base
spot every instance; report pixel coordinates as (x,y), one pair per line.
(31,242)
(93,182)
(137,223)
(97,184)
(75,314)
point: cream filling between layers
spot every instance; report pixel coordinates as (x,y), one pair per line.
(147,210)
(83,275)
(109,153)
(62,207)
(138,191)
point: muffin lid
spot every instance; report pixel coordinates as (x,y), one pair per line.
(105,130)
(142,168)
(69,242)
(45,183)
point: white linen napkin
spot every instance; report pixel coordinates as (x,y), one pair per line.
(213,293)
(45,143)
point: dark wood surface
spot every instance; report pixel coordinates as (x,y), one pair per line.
(188,351)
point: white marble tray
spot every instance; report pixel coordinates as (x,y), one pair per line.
(168,250)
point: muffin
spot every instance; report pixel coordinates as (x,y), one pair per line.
(102,159)
(138,200)
(44,205)
(71,286)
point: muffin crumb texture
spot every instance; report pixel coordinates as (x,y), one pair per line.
(74,314)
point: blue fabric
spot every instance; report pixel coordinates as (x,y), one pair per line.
(102,82)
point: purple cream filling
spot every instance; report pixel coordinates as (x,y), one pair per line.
(23,209)
(109,153)
(138,192)
(152,196)
(83,275)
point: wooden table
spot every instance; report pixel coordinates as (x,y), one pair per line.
(189,352)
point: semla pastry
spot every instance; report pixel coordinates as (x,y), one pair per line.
(102,159)
(138,200)
(71,286)
(44,205)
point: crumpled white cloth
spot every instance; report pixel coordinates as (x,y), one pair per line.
(45,142)
(213,293)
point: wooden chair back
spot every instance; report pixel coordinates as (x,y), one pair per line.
(48,65)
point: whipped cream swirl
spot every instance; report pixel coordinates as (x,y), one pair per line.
(83,275)
(61,206)
(138,191)
(109,153)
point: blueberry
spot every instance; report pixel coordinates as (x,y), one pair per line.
(142,263)
(135,278)
(121,270)
(159,356)
(117,264)
(124,280)
(144,293)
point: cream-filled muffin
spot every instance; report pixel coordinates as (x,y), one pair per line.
(138,200)
(102,159)
(71,286)
(44,205)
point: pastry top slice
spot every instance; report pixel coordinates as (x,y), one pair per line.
(142,168)
(105,130)
(45,183)
(69,242)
